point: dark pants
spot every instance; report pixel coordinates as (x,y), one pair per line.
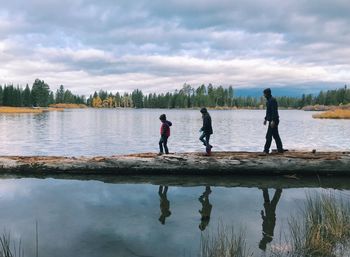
(206,140)
(273,132)
(163,142)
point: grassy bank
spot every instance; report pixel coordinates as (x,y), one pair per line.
(323,108)
(53,107)
(68,106)
(333,114)
(9,109)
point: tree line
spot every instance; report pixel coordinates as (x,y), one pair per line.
(211,96)
(39,95)
(187,97)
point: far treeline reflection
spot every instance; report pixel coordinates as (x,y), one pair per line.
(268,214)
(39,94)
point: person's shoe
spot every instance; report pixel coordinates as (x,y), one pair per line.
(280,151)
(265,152)
(160,153)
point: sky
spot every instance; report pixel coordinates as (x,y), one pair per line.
(157,46)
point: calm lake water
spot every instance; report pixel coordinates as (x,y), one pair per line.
(107,132)
(95,219)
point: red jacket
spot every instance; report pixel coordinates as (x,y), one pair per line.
(165,128)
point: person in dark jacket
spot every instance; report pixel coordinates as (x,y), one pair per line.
(206,208)
(207,129)
(164,204)
(164,134)
(272,118)
(269,216)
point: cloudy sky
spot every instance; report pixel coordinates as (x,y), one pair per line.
(159,45)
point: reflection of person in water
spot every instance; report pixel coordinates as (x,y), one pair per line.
(206,208)
(269,217)
(164,204)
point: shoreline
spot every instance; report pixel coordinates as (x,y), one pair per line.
(22,110)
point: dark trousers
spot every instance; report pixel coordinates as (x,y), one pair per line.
(205,139)
(163,141)
(273,132)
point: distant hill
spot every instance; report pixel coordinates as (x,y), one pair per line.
(292,91)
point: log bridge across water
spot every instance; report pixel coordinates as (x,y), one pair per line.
(219,163)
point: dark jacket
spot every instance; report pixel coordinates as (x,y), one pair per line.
(165,128)
(207,128)
(271,109)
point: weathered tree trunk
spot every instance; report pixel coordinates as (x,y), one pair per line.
(220,163)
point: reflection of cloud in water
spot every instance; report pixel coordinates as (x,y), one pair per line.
(88,218)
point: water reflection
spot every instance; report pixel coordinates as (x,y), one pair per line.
(206,208)
(164,204)
(93,219)
(269,216)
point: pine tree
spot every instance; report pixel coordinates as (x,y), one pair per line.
(40,93)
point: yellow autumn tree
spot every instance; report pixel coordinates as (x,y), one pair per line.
(96,102)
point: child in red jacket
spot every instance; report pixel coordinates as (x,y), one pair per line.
(164,134)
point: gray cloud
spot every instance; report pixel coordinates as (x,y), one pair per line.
(162,44)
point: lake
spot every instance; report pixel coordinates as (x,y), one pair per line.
(93,132)
(93,219)
(116,217)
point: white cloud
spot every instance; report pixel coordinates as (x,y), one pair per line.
(87,45)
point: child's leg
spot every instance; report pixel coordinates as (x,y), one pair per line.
(165,143)
(161,145)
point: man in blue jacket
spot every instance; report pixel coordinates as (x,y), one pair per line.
(272,119)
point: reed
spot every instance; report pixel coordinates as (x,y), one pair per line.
(6,249)
(323,230)
(224,243)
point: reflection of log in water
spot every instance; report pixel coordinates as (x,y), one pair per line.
(269,217)
(206,208)
(232,163)
(164,204)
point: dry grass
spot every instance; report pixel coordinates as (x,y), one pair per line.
(8,109)
(19,110)
(323,230)
(224,243)
(68,106)
(334,114)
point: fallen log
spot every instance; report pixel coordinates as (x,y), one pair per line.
(291,163)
